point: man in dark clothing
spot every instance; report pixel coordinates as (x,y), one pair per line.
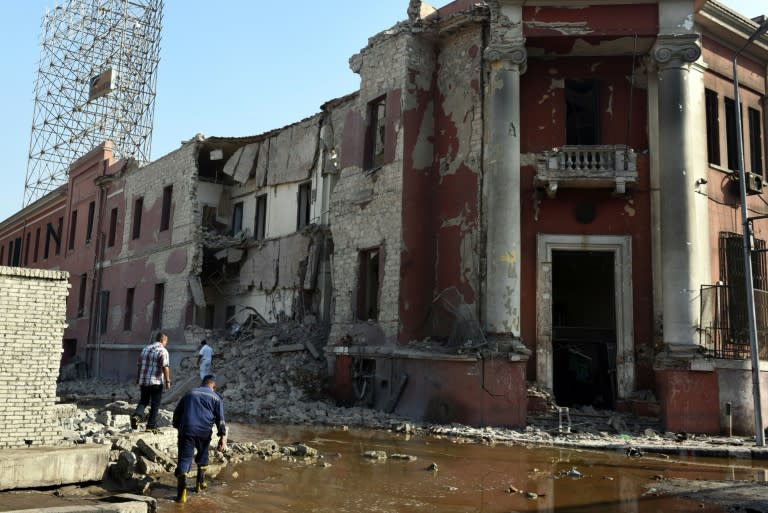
(194,416)
(152,374)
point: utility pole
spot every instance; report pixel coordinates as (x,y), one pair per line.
(747,235)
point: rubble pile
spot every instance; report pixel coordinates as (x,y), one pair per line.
(266,373)
(138,459)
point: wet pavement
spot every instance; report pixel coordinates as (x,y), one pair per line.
(451,476)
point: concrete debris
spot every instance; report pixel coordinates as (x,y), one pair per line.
(289,388)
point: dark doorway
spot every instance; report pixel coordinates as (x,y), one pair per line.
(584,328)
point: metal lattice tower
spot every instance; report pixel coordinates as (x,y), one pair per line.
(95,82)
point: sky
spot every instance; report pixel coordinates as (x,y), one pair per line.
(242,68)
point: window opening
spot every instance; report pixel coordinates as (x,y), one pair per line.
(103,311)
(157,307)
(112,227)
(81,295)
(304,202)
(260,223)
(713,127)
(37,244)
(755,141)
(138,206)
(368,285)
(91,215)
(237,218)
(730,134)
(582,108)
(165,219)
(128,320)
(72,229)
(375,136)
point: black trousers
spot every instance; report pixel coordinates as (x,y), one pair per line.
(150,395)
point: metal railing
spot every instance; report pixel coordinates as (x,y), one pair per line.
(724,331)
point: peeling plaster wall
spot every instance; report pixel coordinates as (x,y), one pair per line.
(366,208)
(543,128)
(459,146)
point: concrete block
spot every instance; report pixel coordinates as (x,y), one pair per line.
(38,467)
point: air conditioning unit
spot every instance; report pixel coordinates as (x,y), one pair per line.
(754,183)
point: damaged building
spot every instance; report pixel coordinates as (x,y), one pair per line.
(519,192)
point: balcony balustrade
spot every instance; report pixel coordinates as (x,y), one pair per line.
(603,166)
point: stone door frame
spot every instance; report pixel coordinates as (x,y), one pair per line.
(621,247)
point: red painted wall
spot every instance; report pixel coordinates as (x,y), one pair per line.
(543,128)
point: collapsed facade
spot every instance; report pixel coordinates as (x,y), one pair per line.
(519,192)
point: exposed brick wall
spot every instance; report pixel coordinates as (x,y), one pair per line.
(32,314)
(366,208)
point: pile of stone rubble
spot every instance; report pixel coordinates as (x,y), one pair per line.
(276,374)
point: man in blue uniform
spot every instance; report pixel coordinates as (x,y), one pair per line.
(194,417)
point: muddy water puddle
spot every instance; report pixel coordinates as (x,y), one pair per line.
(469,478)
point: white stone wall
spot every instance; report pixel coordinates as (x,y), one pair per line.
(32,314)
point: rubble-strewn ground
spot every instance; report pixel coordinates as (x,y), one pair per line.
(271,375)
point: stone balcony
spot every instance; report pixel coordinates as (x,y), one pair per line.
(590,167)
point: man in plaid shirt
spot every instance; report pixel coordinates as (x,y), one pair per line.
(152,373)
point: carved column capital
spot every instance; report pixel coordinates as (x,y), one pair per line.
(515,55)
(676,50)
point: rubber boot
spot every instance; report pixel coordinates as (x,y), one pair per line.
(201,484)
(181,488)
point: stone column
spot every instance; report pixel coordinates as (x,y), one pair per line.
(502,190)
(681,244)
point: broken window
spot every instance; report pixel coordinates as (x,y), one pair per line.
(755,141)
(72,229)
(157,306)
(368,285)
(81,295)
(713,127)
(304,198)
(375,136)
(582,110)
(138,206)
(112,227)
(260,222)
(37,244)
(165,219)
(237,218)
(103,311)
(730,134)
(128,319)
(91,215)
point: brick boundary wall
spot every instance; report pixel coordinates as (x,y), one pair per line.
(32,322)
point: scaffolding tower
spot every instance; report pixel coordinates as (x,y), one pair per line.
(96,82)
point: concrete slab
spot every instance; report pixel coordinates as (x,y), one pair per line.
(37,467)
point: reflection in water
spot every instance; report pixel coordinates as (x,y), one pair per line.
(470,478)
